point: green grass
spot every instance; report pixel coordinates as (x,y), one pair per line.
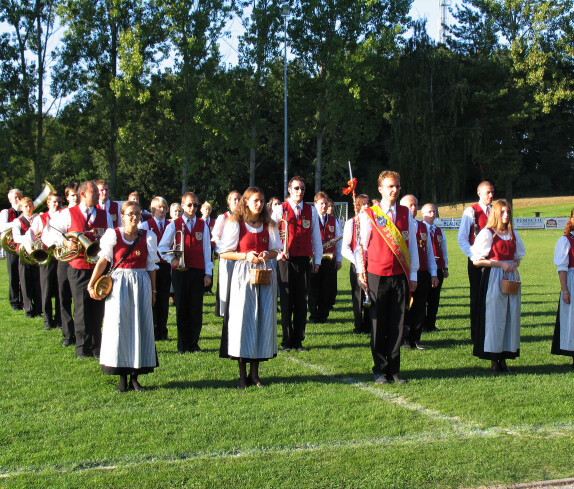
(320,422)
(551,210)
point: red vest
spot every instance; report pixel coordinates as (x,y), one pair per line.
(44,216)
(299,230)
(437,238)
(138,256)
(153,227)
(24,227)
(480,218)
(210,225)
(354,235)
(92,231)
(12,215)
(422,246)
(193,243)
(380,259)
(328,232)
(502,250)
(570,238)
(248,241)
(114,211)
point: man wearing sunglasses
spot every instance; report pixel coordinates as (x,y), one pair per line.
(294,268)
(192,270)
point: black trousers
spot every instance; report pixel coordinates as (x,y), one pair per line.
(321,290)
(293,276)
(389,297)
(433,300)
(14,294)
(161,308)
(30,285)
(188,288)
(49,283)
(88,313)
(474,277)
(361,314)
(65,293)
(415,316)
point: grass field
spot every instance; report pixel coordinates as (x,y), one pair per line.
(319,423)
(526,207)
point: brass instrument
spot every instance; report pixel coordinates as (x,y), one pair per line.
(327,245)
(90,248)
(177,250)
(7,240)
(40,254)
(284,235)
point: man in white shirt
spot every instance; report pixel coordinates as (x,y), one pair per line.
(474,219)
(111,206)
(7,217)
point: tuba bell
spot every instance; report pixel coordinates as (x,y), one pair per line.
(177,250)
(284,235)
(90,248)
(40,254)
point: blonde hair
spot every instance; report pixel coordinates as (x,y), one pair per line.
(495,217)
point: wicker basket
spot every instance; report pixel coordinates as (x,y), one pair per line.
(510,287)
(260,276)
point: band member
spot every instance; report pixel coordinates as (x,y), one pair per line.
(92,222)
(48,272)
(321,283)
(473,220)
(388,233)
(438,239)
(7,217)
(225,266)
(206,216)
(175,212)
(64,290)
(29,274)
(333,284)
(304,241)
(426,280)
(135,197)
(105,204)
(158,224)
(192,270)
(349,247)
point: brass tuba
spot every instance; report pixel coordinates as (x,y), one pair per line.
(177,250)
(284,235)
(7,241)
(90,248)
(40,254)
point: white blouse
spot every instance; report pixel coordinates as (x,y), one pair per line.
(230,237)
(108,242)
(561,254)
(481,247)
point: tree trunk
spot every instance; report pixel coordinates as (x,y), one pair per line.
(252,153)
(114,109)
(39,172)
(319,161)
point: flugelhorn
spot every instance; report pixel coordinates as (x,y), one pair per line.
(90,248)
(284,235)
(7,240)
(177,250)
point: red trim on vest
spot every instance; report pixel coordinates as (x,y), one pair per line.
(249,241)
(12,215)
(44,216)
(93,232)
(300,243)
(211,225)
(24,228)
(193,243)
(328,232)
(152,225)
(422,246)
(138,256)
(437,238)
(501,249)
(380,259)
(571,252)
(481,218)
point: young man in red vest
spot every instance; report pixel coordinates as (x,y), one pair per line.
(320,291)
(191,272)
(7,217)
(294,267)
(388,234)
(473,220)
(158,224)
(349,251)
(48,272)
(92,222)
(426,280)
(111,206)
(438,239)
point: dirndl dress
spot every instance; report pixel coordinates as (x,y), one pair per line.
(128,343)
(563,338)
(250,324)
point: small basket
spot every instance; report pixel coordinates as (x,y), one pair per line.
(260,276)
(510,287)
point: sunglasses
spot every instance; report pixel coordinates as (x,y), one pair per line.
(299,188)
(190,205)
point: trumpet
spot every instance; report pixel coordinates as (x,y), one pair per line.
(90,248)
(284,235)
(177,250)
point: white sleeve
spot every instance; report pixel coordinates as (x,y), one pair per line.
(365,235)
(229,238)
(430,253)
(444,252)
(17,235)
(466,223)
(4,224)
(316,241)
(152,258)
(207,250)
(166,242)
(218,228)
(275,243)
(413,249)
(348,231)
(520,250)
(339,244)
(107,243)
(561,254)
(481,247)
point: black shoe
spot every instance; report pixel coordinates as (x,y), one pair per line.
(398,380)
(195,349)
(381,379)
(17,307)
(67,342)
(301,349)
(285,349)
(418,346)
(358,331)
(181,352)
